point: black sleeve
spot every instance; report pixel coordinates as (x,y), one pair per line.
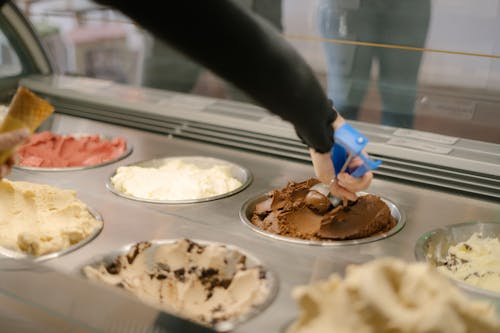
(245,50)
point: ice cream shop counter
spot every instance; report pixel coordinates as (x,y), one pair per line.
(201,202)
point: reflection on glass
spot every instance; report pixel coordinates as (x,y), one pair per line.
(394,22)
(9,62)
(165,68)
(380,57)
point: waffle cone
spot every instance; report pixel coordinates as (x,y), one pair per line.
(25,110)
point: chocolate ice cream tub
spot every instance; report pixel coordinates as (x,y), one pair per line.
(249,207)
(214,284)
(14,254)
(95,158)
(179,180)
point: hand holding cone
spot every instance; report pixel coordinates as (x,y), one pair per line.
(25,111)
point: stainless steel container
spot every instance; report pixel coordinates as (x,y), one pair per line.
(251,261)
(248,208)
(239,172)
(21,255)
(432,247)
(126,153)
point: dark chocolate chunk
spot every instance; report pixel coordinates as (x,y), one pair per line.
(114,267)
(136,250)
(180,274)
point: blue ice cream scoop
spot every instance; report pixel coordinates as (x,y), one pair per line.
(348,144)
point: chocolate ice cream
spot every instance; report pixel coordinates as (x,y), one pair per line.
(299,212)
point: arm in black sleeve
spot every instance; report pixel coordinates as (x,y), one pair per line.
(246,51)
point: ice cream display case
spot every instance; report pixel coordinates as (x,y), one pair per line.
(128,221)
(212,269)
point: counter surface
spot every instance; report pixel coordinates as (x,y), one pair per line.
(128,221)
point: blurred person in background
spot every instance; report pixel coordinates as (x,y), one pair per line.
(394,22)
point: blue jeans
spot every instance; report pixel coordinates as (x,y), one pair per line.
(395,22)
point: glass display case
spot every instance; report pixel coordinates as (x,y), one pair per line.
(421,79)
(392,63)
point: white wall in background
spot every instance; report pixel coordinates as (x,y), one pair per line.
(455,25)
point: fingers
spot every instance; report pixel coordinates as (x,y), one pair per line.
(337,190)
(10,162)
(339,121)
(323,166)
(355,162)
(346,185)
(9,140)
(13,138)
(355,184)
(4,170)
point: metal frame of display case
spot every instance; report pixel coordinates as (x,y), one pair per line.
(446,181)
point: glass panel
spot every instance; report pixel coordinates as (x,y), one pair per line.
(431,65)
(428,65)
(9,61)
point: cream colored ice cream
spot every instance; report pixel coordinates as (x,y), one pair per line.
(390,295)
(41,219)
(207,284)
(475,261)
(176,179)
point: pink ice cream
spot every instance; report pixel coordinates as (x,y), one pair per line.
(49,150)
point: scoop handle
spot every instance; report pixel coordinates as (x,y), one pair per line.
(349,140)
(339,157)
(367,165)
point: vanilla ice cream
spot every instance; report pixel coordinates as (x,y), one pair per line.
(176,179)
(206,283)
(475,261)
(390,295)
(41,219)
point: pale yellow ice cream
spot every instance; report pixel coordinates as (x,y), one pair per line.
(390,295)
(208,284)
(176,179)
(475,261)
(41,219)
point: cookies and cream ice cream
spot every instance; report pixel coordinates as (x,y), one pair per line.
(41,219)
(299,212)
(475,261)
(390,295)
(206,283)
(175,179)
(49,150)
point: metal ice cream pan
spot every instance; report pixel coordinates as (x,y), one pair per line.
(242,174)
(126,153)
(251,261)
(432,247)
(15,254)
(248,208)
